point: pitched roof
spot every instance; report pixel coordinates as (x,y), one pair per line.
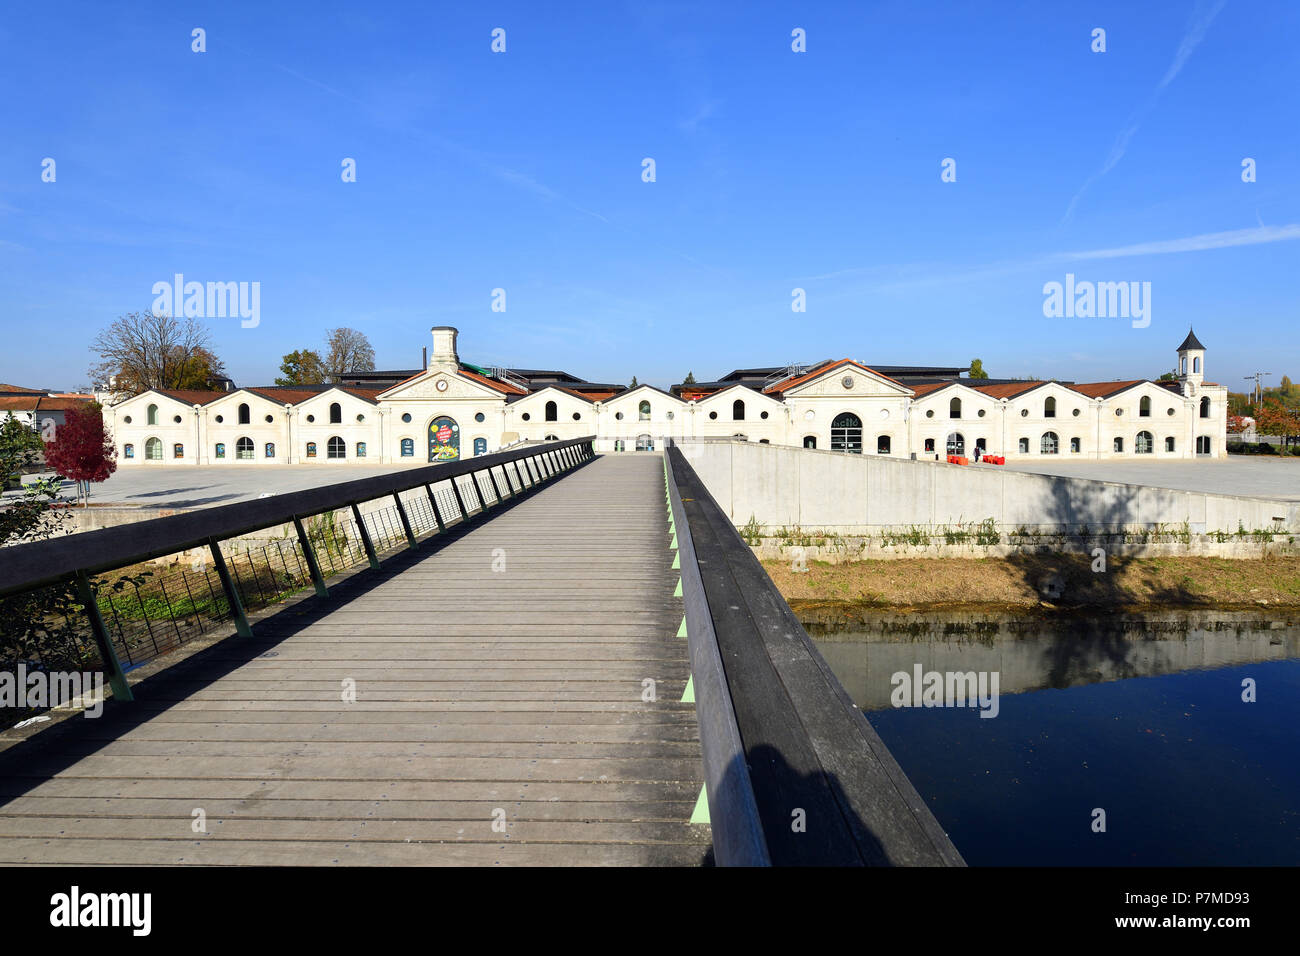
(1191,342)
(822,369)
(1105,389)
(19,390)
(189,396)
(1007,389)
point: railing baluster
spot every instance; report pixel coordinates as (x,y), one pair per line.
(107,655)
(232,596)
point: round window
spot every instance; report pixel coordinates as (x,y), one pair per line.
(929,413)
(1171,411)
(269,418)
(1076,413)
(525,416)
(808,415)
(126,419)
(618,416)
(478,417)
(1024,413)
(762,415)
(577,416)
(220,419)
(713,414)
(980,413)
(884,413)
(669,416)
(311,418)
(406,417)
(361,418)
(1119,411)
(176,419)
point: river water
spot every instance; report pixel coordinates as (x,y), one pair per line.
(1141,717)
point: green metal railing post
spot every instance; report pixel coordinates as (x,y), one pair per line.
(460,501)
(496,490)
(365,537)
(309,553)
(478,492)
(116,676)
(406,522)
(242,626)
(433,503)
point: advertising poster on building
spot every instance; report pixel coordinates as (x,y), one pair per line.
(444,439)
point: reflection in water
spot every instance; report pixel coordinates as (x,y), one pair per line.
(1141,716)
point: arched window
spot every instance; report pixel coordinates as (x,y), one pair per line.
(643,412)
(645,442)
(1182,365)
(1202,444)
(846,433)
(1023,446)
(1145,444)
(1049,407)
(1049,444)
(244,449)
(956,443)
(269,450)
(408,447)
(1205,406)
(311,449)
(128,450)
(737,411)
(336,448)
(178,450)
(1144,407)
(1169,443)
(552,413)
(221,449)
(243,414)
(882,444)
(1196,365)
(929,444)
(361,449)
(809,441)
(1119,445)
(480,446)
(151,415)
(153,450)
(1075,446)
(336,414)
(954,408)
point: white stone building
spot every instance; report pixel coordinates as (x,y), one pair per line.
(453,409)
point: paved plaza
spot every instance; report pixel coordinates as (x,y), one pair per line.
(1253,476)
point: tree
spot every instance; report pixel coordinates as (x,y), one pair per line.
(977,369)
(348,350)
(689,379)
(20,446)
(82,449)
(633,385)
(1166,377)
(1275,417)
(302,367)
(143,350)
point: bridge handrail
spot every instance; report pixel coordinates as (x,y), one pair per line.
(737,830)
(806,748)
(34,564)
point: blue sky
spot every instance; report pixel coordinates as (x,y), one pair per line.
(775,170)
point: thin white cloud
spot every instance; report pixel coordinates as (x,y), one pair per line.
(1202,16)
(1210,240)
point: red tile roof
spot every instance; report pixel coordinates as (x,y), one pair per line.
(1104,389)
(1007,389)
(822,369)
(190,396)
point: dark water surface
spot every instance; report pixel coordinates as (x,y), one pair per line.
(1140,716)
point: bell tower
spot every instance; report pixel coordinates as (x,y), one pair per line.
(1191,364)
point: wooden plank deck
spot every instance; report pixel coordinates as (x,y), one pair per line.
(478,692)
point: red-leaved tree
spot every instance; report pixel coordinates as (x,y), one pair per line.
(81,449)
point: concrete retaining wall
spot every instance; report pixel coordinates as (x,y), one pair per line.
(780,486)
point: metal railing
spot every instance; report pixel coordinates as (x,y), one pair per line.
(58,589)
(781,739)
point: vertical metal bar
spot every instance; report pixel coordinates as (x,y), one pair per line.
(144,612)
(213,591)
(365,537)
(478,492)
(406,522)
(193,606)
(116,676)
(433,503)
(232,596)
(170,613)
(460,502)
(309,553)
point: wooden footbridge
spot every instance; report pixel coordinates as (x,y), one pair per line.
(554,658)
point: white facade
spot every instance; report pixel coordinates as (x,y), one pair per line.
(453,410)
